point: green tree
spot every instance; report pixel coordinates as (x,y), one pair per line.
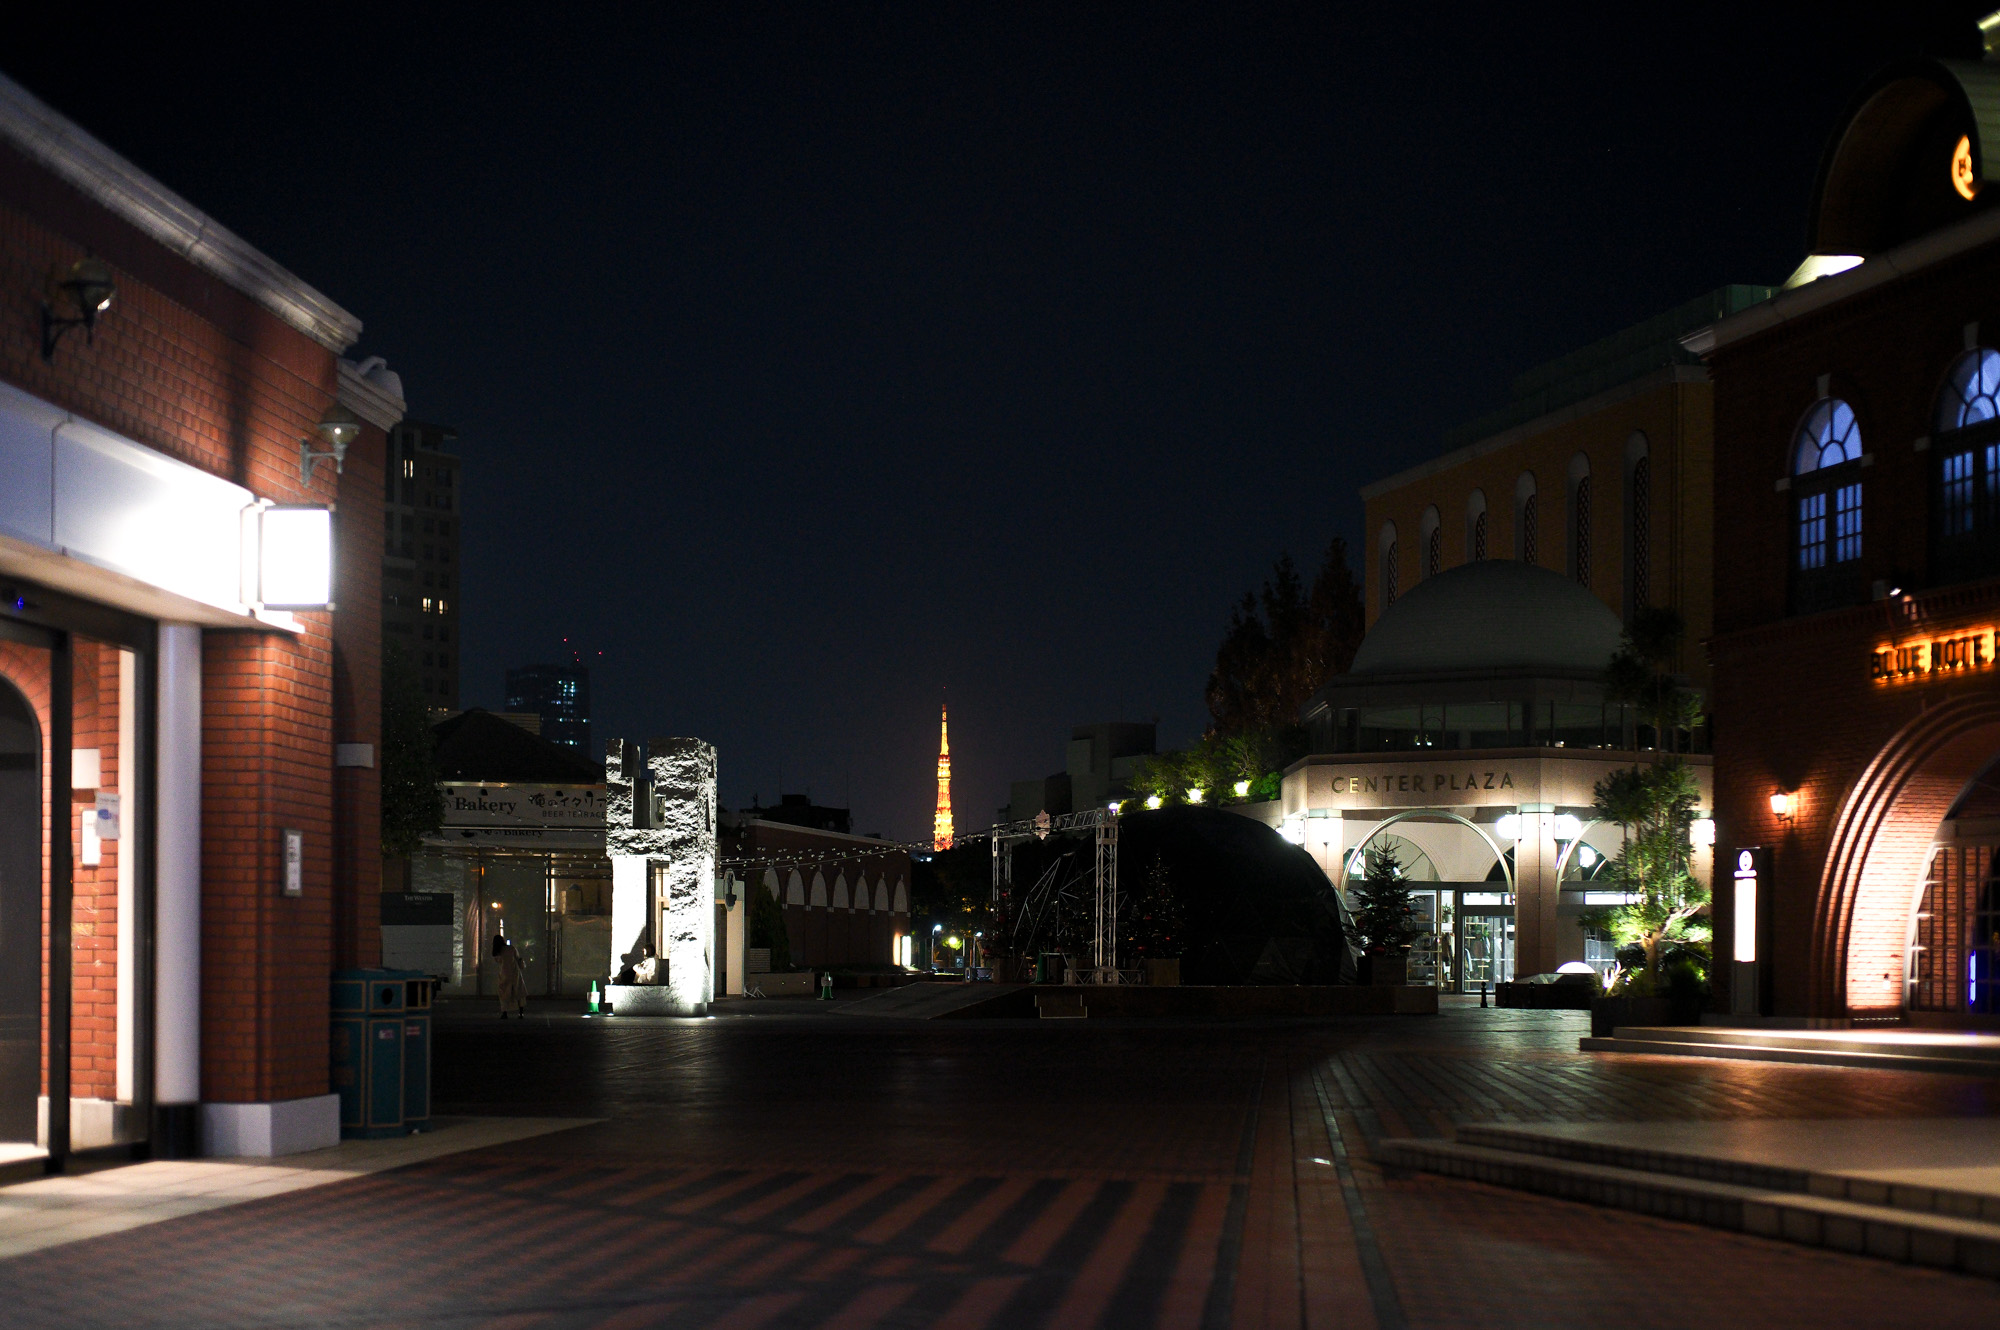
(1639,677)
(767,927)
(1385,910)
(1284,642)
(1655,807)
(1150,920)
(412,803)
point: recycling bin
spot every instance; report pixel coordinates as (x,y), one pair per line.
(378,1040)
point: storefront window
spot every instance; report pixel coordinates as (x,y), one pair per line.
(1827,506)
(1965,522)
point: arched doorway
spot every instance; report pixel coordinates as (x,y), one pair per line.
(20,913)
(1883,849)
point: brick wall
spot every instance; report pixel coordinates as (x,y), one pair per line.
(1795,707)
(189,366)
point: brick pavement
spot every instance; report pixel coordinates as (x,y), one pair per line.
(795,1172)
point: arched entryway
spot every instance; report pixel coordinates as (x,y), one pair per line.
(1878,860)
(20,913)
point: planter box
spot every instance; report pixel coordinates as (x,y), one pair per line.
(1389,969)
(1608,1013)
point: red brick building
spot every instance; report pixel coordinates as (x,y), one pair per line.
(189,665)
(1857,518)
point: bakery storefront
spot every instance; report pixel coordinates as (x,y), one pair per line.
(1468,739)
(1856,663)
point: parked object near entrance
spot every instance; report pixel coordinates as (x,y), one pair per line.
(1550,992)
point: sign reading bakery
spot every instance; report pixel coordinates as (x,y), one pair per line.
(527,815)
(1934,657)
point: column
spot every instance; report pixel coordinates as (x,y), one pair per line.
(177,894)
(1537,896)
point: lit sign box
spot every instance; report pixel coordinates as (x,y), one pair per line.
(1753,865)
(290,556)
(1924,658)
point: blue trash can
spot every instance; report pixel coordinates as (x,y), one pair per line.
(372,1053)
(418,990)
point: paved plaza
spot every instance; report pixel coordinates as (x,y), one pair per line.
(797,1167)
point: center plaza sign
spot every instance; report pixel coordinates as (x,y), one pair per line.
(1925,658)
(524,816)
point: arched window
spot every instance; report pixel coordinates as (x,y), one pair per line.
(1965,523)
(1638,524)
(1475,526)
(1579,519)
(1826,457)
(1525,534)
(1387,546)
(1432,531)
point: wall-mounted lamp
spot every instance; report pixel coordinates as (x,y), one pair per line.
(1784,805)
(87,288)
(1701,831)
(1566,826)
(1509,826)
(339,427)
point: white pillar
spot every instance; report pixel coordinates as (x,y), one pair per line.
(130,838)
(684,777)
(177,870)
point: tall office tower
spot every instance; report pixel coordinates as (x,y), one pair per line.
(560,695)
(420,556)
(941,824)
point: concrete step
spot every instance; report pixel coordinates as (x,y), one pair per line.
(1920,1198)
(1979,1057)
(1946,1242)
(1061,1006)
(1964,1046)
(927,1001)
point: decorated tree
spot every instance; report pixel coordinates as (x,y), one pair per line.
(1655,807)
(1385,910)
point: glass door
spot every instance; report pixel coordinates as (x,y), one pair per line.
(1486,949)
(75,873)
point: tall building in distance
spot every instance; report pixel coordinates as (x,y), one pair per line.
(560,695)
(420,525)
(941,824)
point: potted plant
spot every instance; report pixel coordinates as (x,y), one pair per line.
(1665,928)
(1385,912)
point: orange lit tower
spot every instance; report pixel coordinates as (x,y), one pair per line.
(941,825)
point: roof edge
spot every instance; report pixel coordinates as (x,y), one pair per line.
(55,142)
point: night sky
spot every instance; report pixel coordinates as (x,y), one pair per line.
(809,362)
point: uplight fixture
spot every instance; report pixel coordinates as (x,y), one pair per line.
(1242,788)
(339,427)
(1153,801)
(88,288)
(1195,794)
(1114,804)
(1784,804)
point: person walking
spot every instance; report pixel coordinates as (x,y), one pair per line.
(513,981)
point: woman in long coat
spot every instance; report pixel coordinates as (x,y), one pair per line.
(513,982)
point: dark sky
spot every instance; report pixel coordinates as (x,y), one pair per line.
(807,361)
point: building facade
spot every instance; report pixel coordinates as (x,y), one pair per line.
(1100,761)
(846,898)
(1598,469)
(560,695)
(1856,702)
(190,642)
(421,513)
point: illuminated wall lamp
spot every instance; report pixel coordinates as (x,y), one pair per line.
(339,427)
(1784,805)
(1701,831)
(294,557)
(88,288)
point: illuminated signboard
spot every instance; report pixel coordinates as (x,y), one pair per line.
(1750,865)
(1925,658)
(1963,178)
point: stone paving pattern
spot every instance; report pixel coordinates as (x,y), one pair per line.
(813,1170)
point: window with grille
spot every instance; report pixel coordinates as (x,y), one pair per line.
(1965,494)
(1580,555)
(1389,575)
(1642,531)
(1434,554)
(1479,538)
(1827,503)
(1528,531)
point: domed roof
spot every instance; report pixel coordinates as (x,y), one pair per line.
(1496,614)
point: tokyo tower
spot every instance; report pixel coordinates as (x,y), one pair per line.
(941,825)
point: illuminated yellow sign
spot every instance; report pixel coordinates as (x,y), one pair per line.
(1925,658)
(1962,178)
